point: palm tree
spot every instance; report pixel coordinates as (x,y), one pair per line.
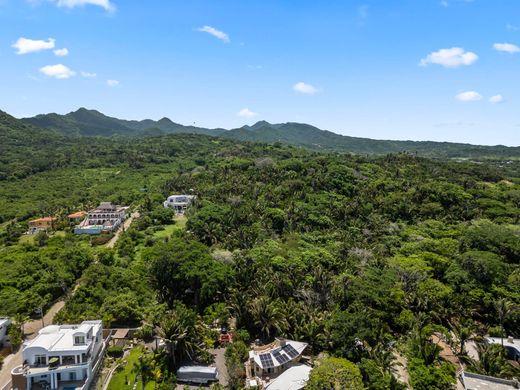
(20,320)
(267,316)
(462,331)
(491,361)
(178,336)
(504,308)
(143,368)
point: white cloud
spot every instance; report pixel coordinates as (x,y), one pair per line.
(88,75)
(106,4)
(216,33)
(301,87)
(496,99)
(450,58)
(25,45)
(246,113)
(506,47)
(112,83)
(58,71)
(61,52)
(469,96)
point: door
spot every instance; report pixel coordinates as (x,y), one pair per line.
(72,376)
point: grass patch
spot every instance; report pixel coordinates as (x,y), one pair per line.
(120,378)
(180,224)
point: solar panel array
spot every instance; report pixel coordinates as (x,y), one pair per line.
(266,360)
(289,350)
(281,357)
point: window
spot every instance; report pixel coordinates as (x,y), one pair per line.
(78,340)
(40,360)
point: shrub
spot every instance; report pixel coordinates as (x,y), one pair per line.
(115,351)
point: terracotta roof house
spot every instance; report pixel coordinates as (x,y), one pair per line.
(41,224)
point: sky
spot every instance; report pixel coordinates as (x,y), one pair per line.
(441,70)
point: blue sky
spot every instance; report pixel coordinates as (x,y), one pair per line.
(386,69)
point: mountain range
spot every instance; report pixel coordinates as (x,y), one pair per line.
(84,122)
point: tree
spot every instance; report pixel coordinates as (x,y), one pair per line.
(335,374)
(504,308)
(178,329)
(143,368)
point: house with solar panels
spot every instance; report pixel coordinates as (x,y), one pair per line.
(269,361)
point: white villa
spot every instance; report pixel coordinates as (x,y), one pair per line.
(271,361)
(104,218)
(4,324)
(61,357)
(179,203)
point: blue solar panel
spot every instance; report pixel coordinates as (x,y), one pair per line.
(280,357)
(266,360)
(289,350)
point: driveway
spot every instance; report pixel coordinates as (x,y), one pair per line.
(125,226)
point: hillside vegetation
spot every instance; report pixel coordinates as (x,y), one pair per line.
(361,257)
(93,123)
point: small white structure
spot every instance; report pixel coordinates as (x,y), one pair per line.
(179,203)
(511,345)
(197,374)
(273,359)
(65,356)
(104,218)
(4,324)
(295,378)
(471,381)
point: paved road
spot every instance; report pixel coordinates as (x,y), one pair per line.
(126,225)
(31,329)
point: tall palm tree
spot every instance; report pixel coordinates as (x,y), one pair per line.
(462,331)
(504,308)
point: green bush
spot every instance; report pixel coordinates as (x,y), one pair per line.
(115,351)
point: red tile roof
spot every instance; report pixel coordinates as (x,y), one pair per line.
(78,214)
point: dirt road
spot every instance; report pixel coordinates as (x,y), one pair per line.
(125,226)
(31,329)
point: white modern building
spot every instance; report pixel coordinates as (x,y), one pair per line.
(4,324)
(61,357)
(179,203)
(104,218)
(471,381)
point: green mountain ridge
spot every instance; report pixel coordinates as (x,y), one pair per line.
(85,122)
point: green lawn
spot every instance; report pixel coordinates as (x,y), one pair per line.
(180,224)
(127,375)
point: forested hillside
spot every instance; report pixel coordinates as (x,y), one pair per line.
(361,257)
(93,123)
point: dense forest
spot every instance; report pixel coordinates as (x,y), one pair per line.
(364,258)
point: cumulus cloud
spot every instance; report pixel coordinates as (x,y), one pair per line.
(88,75)
(450,58)
(496,99)
(216,33)
(302,87)
(25,45)
(106,4)
(61,52)
(58,71)
(506,48)
(469,96)
(112,83)
(246,113)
